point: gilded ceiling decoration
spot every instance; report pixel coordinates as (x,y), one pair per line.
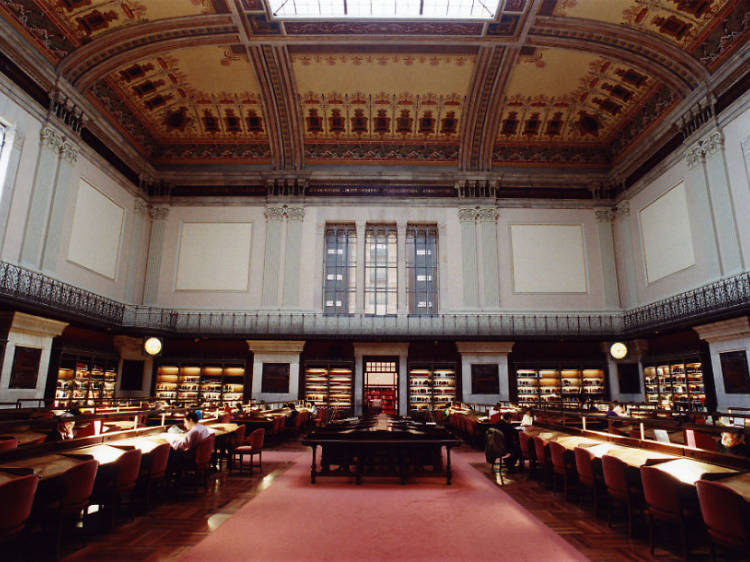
(562,97)
(407,98)
(547,84)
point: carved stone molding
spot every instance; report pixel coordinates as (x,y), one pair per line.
(295,213)
(69,152)
(487,215)
(139,207)
(467,215)
(604,215)
(275,213)
(51,138)
(622,210)
(159,213)
(694,155)
(713,143)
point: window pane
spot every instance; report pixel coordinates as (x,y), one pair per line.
(339,276)
(421,263)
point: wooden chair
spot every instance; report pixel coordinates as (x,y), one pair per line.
(202,460)
(113,485)
(726,516)
(254,447)
(621,490)
(76,487)
(589,476)
(563,465)
(527,451)
(17,499)
(666,503)
(542,457)
(153,470)
(237,439)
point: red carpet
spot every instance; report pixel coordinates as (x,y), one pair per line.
(381,520)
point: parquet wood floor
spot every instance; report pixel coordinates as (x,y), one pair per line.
(590,535)
(174,525)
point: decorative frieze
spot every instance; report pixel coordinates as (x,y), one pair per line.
(51,138)
(467,215)
(709,145)
(140,207)
(487,215)
(275,214)
(605,215)
(278,214)
(622,210)
(694,155)
(477,214)
(69,152)
(295,214)
(713,143)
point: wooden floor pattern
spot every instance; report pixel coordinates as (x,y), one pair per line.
(590,535)
(177,523)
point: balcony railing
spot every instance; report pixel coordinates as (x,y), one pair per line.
(41,293)
(720,297)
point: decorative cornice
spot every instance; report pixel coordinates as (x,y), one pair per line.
(735,328)
(158,213)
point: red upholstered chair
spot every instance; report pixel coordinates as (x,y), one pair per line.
(563,465)
(666,503)
(254,447)
(202,459)
(527,450)
(153,470)
(621,489)
(236,439)
(726,516)
(113,485)
(700,440)
(76,487)
(494,418)
(225,418)
(542,457)
(8,442)
(17,498)
(589,475)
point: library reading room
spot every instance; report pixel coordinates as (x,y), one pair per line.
(374,280)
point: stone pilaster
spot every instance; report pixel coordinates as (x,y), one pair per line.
(401,257)
(37,218)
(467,219)
(64,191)
(137,218)
(272,260)
(487,230)
(360,286)
(625,255)
(604,218)
(155,249)
(9,186)
(295,217)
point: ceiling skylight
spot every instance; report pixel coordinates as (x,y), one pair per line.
(385,9)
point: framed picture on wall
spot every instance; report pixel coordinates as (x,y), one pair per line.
(734,370)
(25,367)
(275,378)
(484,379)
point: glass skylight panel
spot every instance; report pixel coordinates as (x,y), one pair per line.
(385,9)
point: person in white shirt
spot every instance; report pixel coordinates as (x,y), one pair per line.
(196,432)
(528,419)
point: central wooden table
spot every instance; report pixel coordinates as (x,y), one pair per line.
(400,450)
(689,471)
(740,484)
(45,466)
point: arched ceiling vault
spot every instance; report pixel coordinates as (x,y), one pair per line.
(548,85)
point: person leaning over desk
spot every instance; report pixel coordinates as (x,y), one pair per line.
(196,432)
(65,428)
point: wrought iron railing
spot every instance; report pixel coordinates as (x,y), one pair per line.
(720,297)
(19,285)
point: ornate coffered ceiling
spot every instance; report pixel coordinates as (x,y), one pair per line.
(203,89)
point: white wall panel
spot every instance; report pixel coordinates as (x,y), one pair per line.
(548,258)
(666,234)
(214,256)
(97,231)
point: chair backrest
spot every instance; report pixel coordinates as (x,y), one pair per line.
(203,452)
(238,438)
(128,467)
(585,465)
(77,484)
(299,419)
(225,418)
(159,459)
(540,449)
(256,438)
(662,491)
(524,439)
(705,441)
(494,418)
(557,456)
(661,435)
(615,476)
(8,442)
(724,512)
(17,498)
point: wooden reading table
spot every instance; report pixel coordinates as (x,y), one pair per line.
(689,471)
(740,484)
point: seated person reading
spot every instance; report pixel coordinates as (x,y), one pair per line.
(512,441)
(292,415)
(65,428)
(196,432)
